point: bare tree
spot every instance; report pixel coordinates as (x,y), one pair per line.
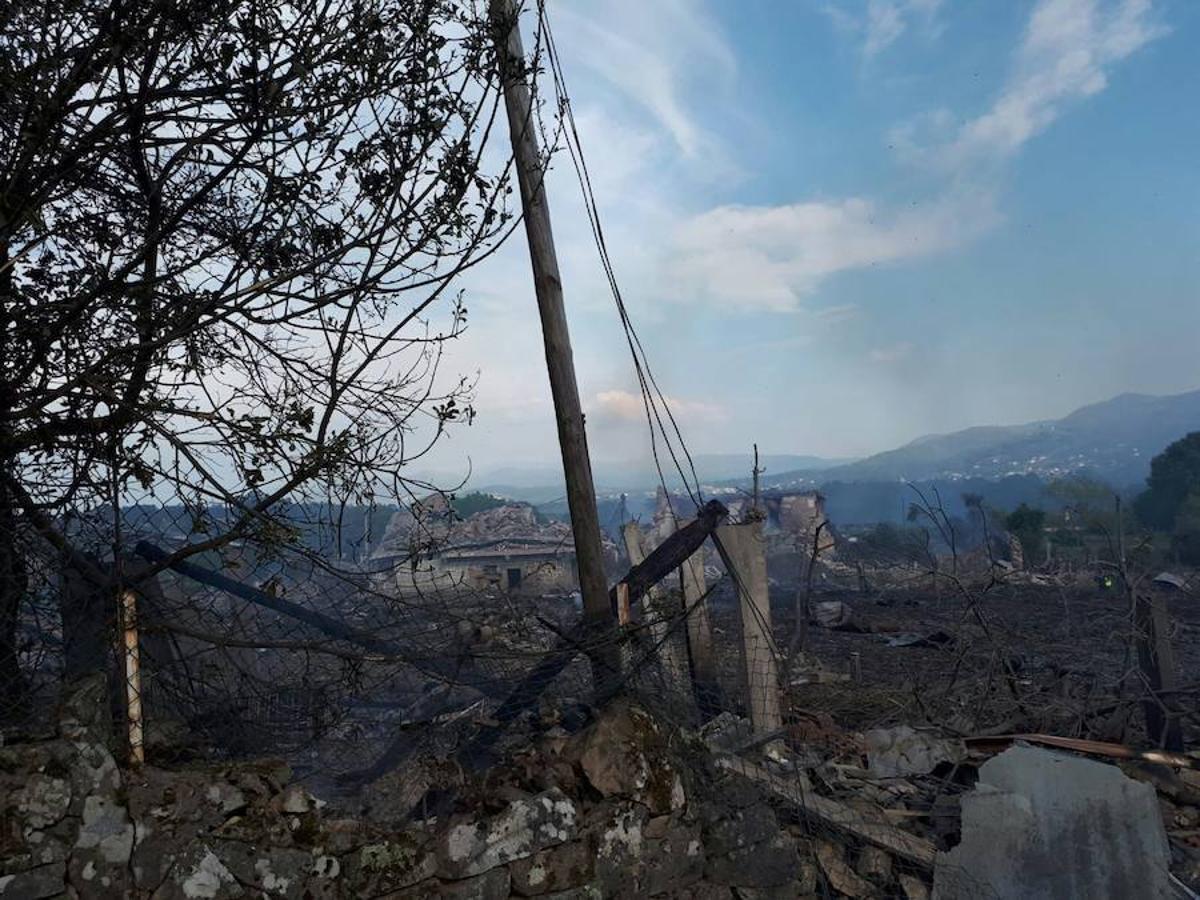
(229,237)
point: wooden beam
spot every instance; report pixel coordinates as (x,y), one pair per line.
(672,552)
(834,815)
(665,558)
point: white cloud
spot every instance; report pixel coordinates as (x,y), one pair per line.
(676,49)
(771,257)
(627,407)
(833,315)
(883,22)
(1068,47)
(893,353)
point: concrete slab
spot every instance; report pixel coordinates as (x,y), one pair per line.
(1047,825)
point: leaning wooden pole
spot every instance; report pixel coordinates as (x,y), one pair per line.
(572,439)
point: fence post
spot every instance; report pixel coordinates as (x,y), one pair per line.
(699,625)
(745,554)
(655,607)
(1156,659)
(133,678)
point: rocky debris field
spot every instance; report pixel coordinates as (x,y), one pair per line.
(617,803)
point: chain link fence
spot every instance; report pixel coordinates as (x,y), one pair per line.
(855,703)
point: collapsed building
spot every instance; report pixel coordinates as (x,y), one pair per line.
(507,548)
(791,519)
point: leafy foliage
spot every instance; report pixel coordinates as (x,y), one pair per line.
(1174,479)
(1026,524)
(228,231)
(888,542)
(229,237)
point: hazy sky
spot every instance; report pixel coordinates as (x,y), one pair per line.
(841,225)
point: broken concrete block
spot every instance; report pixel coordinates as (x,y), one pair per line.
(294,800)
(275,871)
(728,829)
(673,861)
(99,864)
(199,873)
(766,864)
(525,826)
(226,798)
(726,731)
(897,752)
(1046,825)
(834,614)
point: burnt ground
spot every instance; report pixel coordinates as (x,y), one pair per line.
(1015,658)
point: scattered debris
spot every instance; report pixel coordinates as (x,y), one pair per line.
(897,752)
(998,742)
(837,815)
(836,615)
(1170,580)
(909,639)
(840,876)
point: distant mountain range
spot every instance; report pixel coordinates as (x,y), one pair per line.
(1113,440)
(532,482)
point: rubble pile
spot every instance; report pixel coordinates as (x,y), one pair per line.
(432,525)
(621,806)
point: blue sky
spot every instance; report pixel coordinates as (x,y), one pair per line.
(842,225)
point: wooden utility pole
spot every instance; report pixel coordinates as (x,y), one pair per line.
(572,439)
(756,508)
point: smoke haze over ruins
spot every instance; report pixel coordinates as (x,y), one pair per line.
(839,229)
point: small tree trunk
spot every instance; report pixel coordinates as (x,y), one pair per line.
(14,576)
(14,582)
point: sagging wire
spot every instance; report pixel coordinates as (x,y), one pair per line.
(653,399)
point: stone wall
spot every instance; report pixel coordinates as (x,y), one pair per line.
(623,808)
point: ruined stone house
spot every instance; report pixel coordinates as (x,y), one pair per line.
(506,549)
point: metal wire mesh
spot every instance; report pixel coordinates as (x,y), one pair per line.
(364,666)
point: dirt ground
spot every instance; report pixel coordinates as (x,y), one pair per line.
(1009,659)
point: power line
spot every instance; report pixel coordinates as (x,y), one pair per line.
(652,396)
